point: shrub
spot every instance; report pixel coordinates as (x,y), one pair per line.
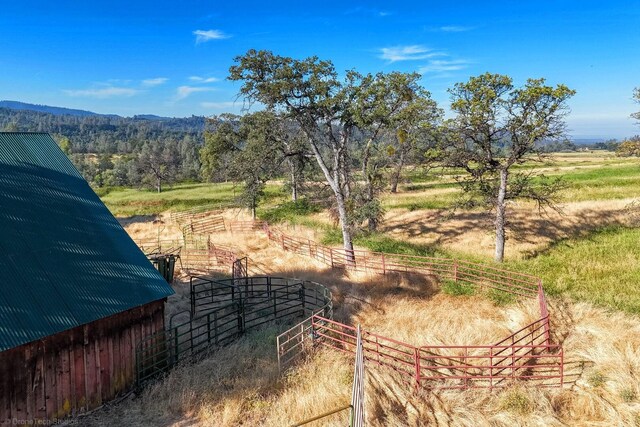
(516,401)
(596,379)
(628,395)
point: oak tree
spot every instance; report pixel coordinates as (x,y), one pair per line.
(327,109)
(498,126)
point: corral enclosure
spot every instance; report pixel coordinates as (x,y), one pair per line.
(77,295)
(401,306)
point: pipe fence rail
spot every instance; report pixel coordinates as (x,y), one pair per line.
(183,216)
(448,367)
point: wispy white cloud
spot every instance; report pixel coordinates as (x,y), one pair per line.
(407,53)
(204,79)
(184,91)
(360,10)
(218,105)
(208,35)
(154,82)
(103,92)
(443,65)
(455,28)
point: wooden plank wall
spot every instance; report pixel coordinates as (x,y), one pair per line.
(75,370)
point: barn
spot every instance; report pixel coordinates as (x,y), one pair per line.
(76,293)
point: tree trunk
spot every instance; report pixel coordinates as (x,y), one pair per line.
(294,179)
(294,187)
(395,175)
(346,232)
(254,203)
(500,216)
(336,185)
(158,185)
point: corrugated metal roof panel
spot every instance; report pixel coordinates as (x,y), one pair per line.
(66,261)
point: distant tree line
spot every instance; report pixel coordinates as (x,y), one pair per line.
(120,151)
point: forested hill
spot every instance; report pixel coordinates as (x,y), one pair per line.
(16,105)
(98,133)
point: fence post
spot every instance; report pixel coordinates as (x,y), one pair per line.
(455,271)
(491,368)
(466,367)
(561,367)
(513,357)
(240,317)
(331,256)
(282,238)
(177,345)
(384,269)
(275,305)
(416,357)
(215,325)
(278,351)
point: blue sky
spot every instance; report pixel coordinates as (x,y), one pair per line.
(172,58)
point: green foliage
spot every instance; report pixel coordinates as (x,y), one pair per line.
(247,148)
(103,133)
(65,144)
(500,298)
(457,288)
(496,127)
(289,211)
(333,114)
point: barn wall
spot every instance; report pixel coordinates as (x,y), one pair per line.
(75,370)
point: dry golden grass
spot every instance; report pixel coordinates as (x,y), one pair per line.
(471,231)
(240,385)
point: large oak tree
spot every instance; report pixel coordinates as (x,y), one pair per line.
(496,127)
(331,112)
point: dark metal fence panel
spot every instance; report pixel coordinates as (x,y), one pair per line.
(158,352)
(221,311)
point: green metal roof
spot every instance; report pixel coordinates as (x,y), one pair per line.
(64,259)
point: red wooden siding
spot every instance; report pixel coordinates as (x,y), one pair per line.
(75,370)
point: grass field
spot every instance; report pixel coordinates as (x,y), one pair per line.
(125,202)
